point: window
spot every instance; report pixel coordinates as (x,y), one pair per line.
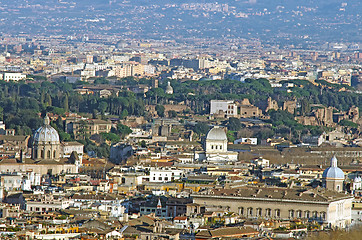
(48,155)
(315,214)
(220,146)
(54,154)
(241,211)
(250,212)
(268,212)
(306,214)
(323,215)
(299,214)
(291,213)
(258,212)
(212,146)
(277,213)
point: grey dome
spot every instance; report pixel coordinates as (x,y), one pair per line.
(333,171)
(216,133)
(169,89)
(46,133)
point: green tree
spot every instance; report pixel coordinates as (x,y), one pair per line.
(172,114)
(160,110)
(201,128)
(66,103)
(143,144)
(234,124)
(111,137)
(122,130)
(304,107)
(124,114)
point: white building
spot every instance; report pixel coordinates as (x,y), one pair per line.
(261,162)
(216,147)
(356,184)
(12,77)
(165,175)
(227,107)
(44,203)
(68,147)
(11,182)
(251,141)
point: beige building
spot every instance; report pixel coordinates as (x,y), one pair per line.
(129,69)
(88,127)
(329,208)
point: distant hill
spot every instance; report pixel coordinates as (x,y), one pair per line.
(269,20)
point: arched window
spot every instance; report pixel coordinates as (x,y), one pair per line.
(48,155)
(42,154)
(54,154)
(212,146)
(323,216)
(307,214)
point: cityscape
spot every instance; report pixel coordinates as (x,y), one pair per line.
(180,119)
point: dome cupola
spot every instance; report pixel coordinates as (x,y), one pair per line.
(46,133)
(333,177)
(169,89)
(216,133)
(333,172)
(46,144)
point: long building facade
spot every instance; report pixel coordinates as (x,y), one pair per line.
(325,207)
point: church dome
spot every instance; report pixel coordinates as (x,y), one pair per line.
(333,172)
(169,89)
(216,133)
(46,133)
